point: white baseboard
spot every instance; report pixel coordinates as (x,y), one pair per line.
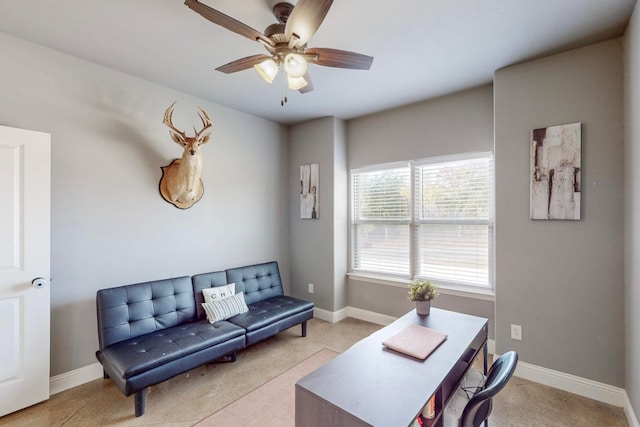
(370,316)
(573,384)
(74,378)
(329,316)
(356,313)
(632,419)
(581,386)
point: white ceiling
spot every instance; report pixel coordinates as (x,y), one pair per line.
(422,48)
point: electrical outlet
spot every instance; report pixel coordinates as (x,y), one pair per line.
(516,332)
(310,288)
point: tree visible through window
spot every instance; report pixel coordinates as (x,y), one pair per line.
(431,218)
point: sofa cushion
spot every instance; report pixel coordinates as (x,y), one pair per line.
(137,355)
(130,311)
(258,282)
(263,313)
(225,308)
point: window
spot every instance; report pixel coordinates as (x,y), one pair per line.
(381,220)
(429,218)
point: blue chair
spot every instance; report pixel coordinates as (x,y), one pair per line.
(479,405)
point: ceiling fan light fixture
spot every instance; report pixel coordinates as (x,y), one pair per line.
(295,65)
(296,83)
(267,69)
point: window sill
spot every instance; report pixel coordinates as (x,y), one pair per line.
(460,291)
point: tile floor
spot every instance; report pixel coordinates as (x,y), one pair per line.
(189,398)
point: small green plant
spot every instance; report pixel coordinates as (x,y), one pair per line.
(422,290)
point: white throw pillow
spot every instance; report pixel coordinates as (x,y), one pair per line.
(225,308)
(219,292)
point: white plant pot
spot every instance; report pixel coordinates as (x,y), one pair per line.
(423,307)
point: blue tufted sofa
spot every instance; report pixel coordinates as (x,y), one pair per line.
(150,332)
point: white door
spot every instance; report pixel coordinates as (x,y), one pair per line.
(25,187)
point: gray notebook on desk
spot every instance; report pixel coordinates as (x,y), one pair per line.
(416,341)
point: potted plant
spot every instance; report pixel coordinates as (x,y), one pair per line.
(422,292)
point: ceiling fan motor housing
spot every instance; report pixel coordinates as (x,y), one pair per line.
(281,5)
(281,11)
(275,29)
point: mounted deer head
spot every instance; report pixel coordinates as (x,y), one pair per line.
(180,184)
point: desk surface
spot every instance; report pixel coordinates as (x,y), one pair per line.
(376,386)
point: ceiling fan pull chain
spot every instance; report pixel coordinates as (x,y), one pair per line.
(283,86)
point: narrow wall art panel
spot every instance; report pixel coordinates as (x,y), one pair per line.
(309,191)
(555,172)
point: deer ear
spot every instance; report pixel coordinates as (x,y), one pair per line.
(205,138)
(177,137)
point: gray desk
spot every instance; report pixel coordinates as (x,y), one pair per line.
(369,385)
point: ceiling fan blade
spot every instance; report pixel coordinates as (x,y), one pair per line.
(227,22)
(339,58)
(309,86)
(242,64)
(304,21)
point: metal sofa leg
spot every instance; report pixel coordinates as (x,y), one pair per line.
(139,399)
(304,328)
(231,357)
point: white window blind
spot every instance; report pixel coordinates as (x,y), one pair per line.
(381,219)
(431,219)
(453,225)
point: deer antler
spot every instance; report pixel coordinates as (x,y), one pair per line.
(206,122)
(168,120)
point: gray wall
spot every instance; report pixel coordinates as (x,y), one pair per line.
(458,123)
(110,226)
(318,246)
(562,280)
(632,207)
(340,214)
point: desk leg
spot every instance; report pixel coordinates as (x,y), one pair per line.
(485,357)
(486,351)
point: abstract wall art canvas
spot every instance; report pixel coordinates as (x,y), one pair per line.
(309,187)
(556,172)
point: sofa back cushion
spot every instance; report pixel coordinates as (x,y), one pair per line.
(258,281)
(130,311)
(204,281)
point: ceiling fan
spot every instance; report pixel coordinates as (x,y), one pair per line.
(286,42)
